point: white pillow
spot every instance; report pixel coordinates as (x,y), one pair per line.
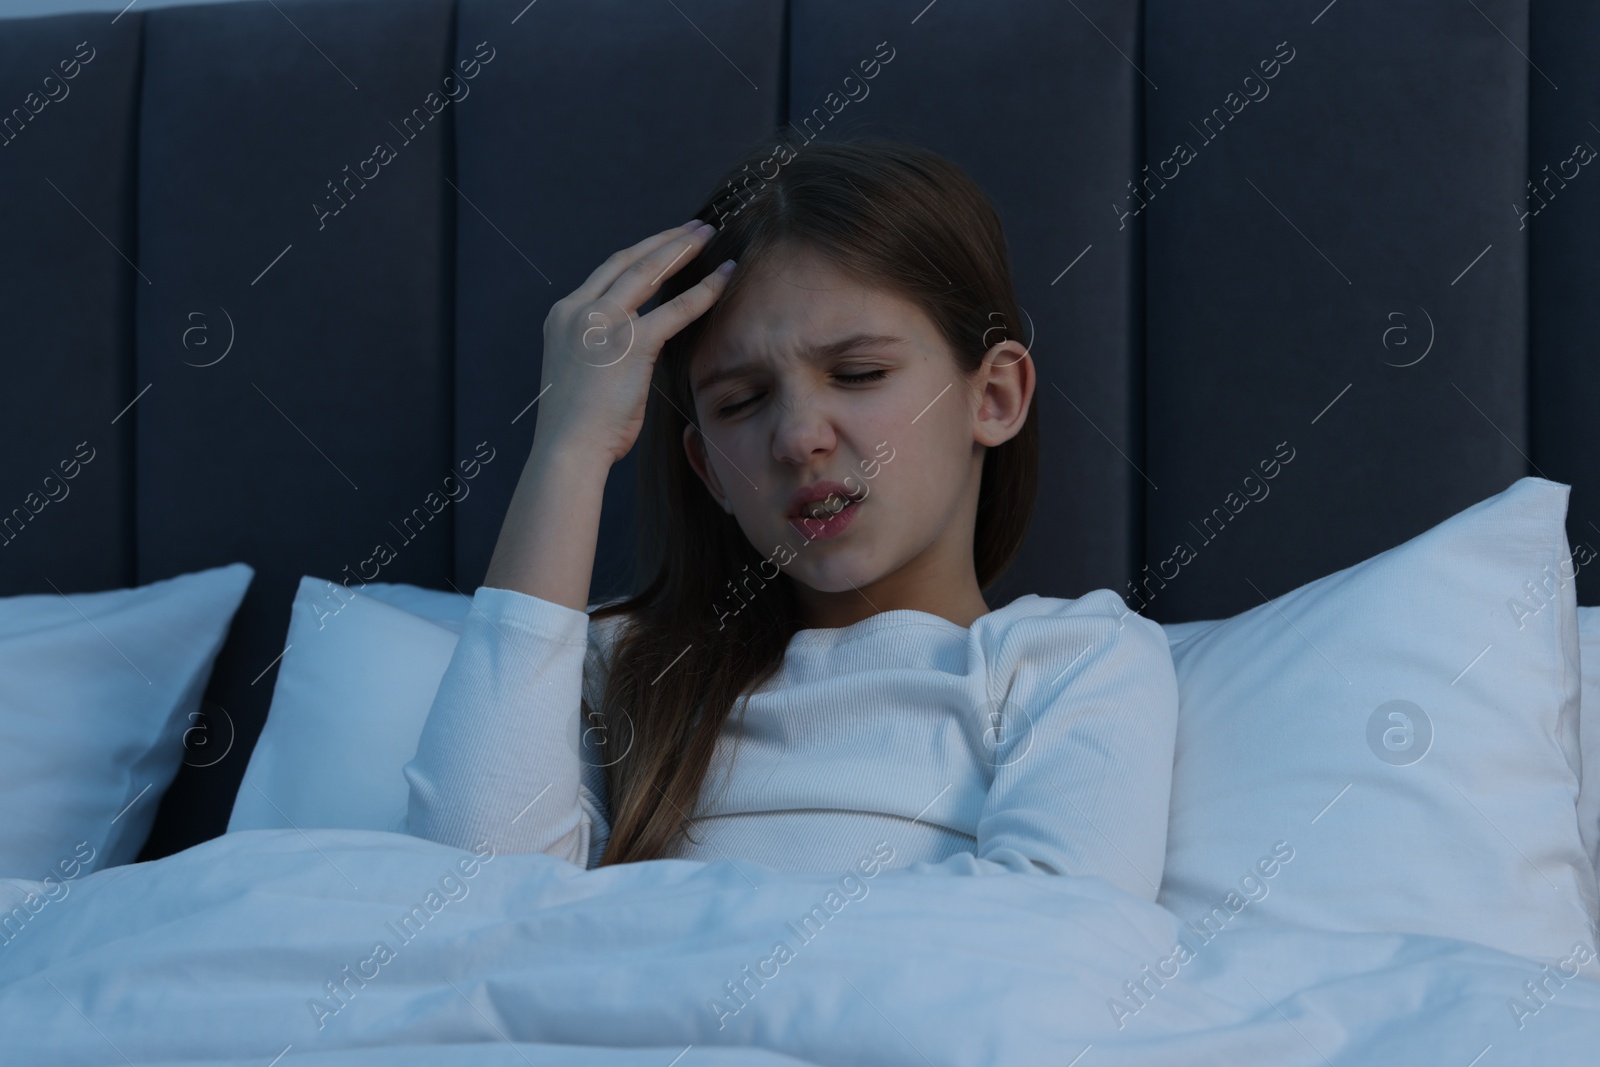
(354,688)
(1403,734)
(96,693)
(1589,729)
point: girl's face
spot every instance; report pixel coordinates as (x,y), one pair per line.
(810,377)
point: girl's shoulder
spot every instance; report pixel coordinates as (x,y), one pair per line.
(1032,619)
(1097,603)
(1054,646)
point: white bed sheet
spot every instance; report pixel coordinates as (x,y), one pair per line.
(215,956)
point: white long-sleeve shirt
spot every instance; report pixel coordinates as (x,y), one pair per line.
(1040,738)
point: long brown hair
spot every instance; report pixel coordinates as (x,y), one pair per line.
(898,217)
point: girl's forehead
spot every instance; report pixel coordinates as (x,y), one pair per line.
(794,302)
(785,320)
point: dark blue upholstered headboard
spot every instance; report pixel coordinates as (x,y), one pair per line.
(1249,236)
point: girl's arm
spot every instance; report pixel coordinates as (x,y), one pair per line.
(1083,773)
(504,755)
(547,540)
(499,758)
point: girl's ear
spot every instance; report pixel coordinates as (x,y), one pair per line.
(1003,387)
(694,447)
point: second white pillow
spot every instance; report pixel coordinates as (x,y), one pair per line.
(1402,736)
(353,690)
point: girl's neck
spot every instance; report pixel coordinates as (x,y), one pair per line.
(960,603)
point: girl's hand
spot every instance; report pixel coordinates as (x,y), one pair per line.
(599,354)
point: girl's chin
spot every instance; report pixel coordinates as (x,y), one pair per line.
(835,578)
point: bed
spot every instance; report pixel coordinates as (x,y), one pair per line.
(1371,255)
(531,962)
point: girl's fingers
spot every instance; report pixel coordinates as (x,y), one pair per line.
(640,281)
(606,274)
(675,314)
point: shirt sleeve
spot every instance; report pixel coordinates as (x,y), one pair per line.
(1081,738)
(504,755)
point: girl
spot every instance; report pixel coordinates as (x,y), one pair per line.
(840,456)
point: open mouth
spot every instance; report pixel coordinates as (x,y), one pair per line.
(831,506)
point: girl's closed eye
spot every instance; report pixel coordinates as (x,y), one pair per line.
(854,379)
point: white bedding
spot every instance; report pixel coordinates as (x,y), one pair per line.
(216,954)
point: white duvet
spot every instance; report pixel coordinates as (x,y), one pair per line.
(344,947)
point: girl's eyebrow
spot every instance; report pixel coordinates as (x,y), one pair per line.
(814,353)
